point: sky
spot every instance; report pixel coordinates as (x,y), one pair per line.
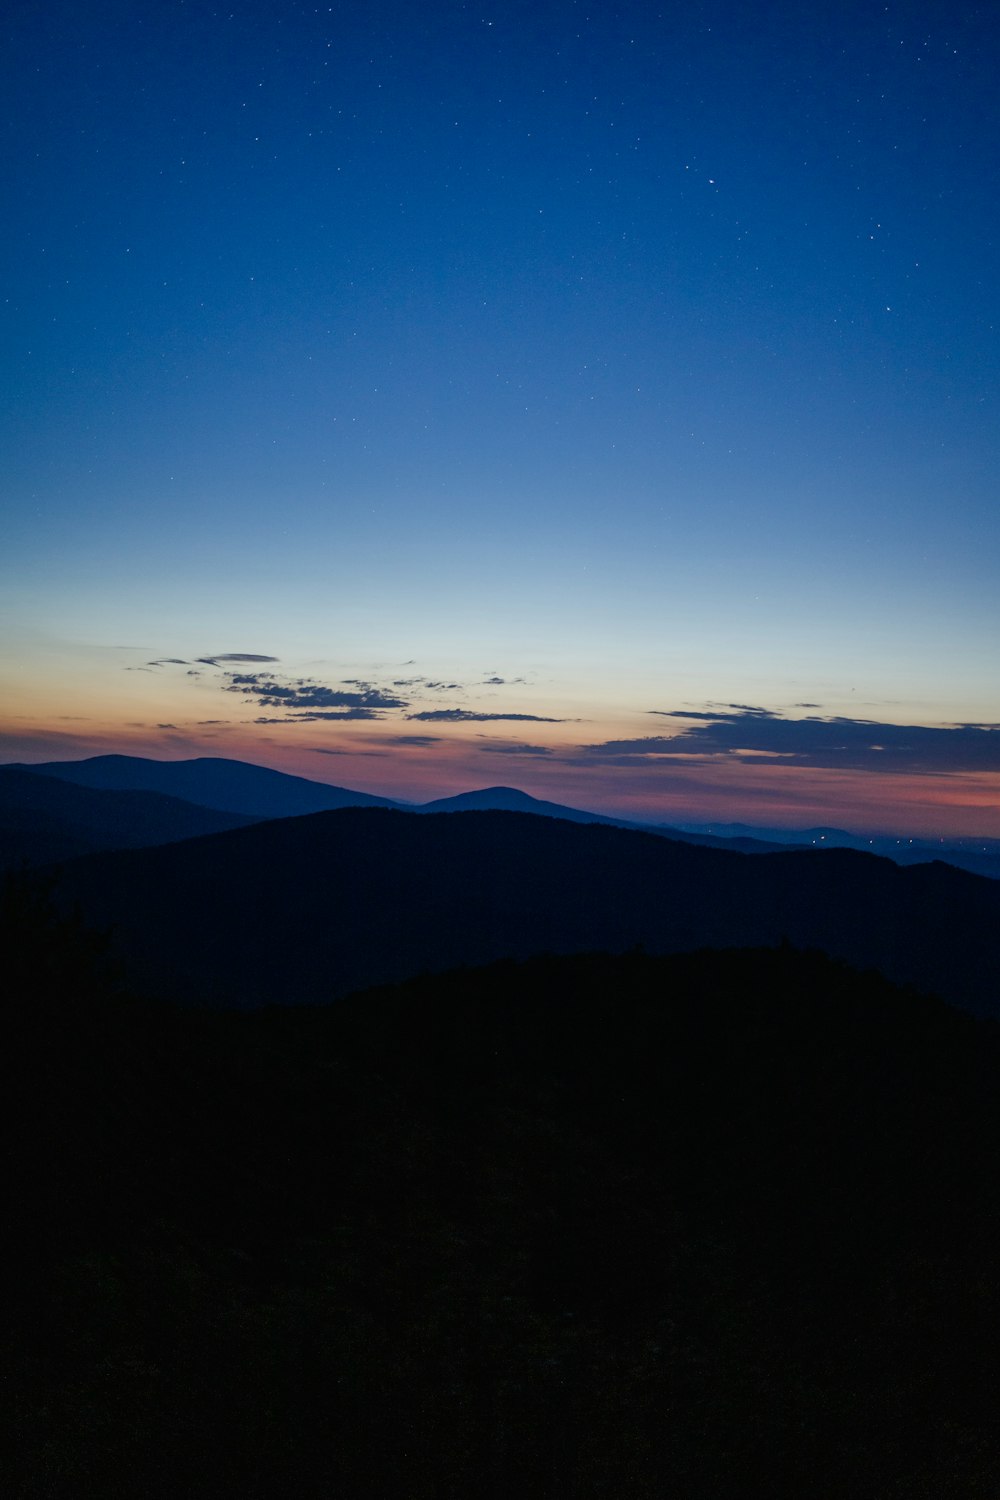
(599,399)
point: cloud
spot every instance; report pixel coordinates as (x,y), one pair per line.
(302,693)
(413,741)
(167,661)
(468,716)
(516,749)
(331,750)
(713,713)
(338,714)
(232,656)
(166,726)
(762,737)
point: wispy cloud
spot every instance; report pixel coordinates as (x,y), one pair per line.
(337,714)
(748,734)
(516,749)
(740,710)
(469,716)
(228,657)
(334,750)
(429,684)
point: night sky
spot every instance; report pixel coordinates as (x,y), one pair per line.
(599,399)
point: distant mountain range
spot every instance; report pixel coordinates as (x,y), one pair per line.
(232,786)
(257,792)
(37,829)
(980,856)
(44,820)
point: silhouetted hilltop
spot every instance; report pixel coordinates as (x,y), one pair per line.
(43,820)
(311,908)
(228,785)
(509,799)
(720,1224)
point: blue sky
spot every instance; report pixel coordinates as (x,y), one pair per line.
(645,360)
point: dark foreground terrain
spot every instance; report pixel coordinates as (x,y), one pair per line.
(702,1225)
(314,908)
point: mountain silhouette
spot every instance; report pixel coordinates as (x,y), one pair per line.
(510,799)
(233,786)
(311,908)
(260,792)
(44,820)
(979,856)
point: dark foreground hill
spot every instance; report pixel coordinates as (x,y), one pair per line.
(714,1225)
(43,819)
(308,909)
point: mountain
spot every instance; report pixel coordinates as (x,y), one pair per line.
(259,792)
(509,799)
(44,820)
(311,908)
(979,856)
(233,786)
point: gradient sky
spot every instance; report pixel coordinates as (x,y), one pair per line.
(591,398)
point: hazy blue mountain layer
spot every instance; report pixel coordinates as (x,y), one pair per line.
(44,820)
(228,785)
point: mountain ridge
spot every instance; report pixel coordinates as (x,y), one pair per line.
(235,786)
(311,908)
(44,820)
(243,788)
